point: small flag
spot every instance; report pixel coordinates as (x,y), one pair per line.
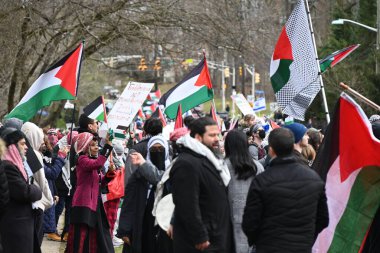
(213,115)
(96,109)
(59,82)
(158,114)
(178,119)
(331,60)
(194,89)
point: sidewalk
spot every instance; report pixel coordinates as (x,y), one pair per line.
(59,247)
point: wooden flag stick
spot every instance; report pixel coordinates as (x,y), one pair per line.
(360,96)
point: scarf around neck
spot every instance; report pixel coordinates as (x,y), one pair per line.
(13,155)
(199,148)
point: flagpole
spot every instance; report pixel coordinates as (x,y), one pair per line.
(76,95)
(318,66)
(360,96)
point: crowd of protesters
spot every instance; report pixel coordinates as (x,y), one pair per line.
(249,189)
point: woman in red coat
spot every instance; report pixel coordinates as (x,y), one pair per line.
(89,228)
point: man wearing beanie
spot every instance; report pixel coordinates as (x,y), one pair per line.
(301,139)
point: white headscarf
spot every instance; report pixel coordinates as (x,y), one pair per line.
(159,139)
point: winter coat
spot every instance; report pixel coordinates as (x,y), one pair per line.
(86,195)
(286,207)
(134,203)
(202,211)
(17,223)
(52,171)
(237,193)
(4,192)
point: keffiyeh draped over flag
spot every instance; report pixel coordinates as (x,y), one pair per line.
(294,68)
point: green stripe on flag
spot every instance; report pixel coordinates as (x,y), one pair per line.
(282,75)
(360,210)
(100,117)
(326,64)
(202,95)
(43,98)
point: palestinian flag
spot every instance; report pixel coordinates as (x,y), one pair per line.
(349,162)
(294,68)
(336,57)
(140,115)
(178,119)
(59,82)
(155,96)
(96,109)
(193,90)
(158,114)
(213,115)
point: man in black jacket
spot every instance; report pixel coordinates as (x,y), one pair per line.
(199,186)
(286,205)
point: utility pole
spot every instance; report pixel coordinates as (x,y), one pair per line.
(253,81)
(377,35)
(233,88)
(243,78)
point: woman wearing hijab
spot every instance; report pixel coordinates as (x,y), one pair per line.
(17,224)
(136,225)
(89,228)
(35,136)
(243,168)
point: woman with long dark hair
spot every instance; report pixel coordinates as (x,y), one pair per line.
(242,169)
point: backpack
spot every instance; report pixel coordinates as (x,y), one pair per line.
(261,151)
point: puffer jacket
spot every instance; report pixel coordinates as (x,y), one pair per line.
(286,207)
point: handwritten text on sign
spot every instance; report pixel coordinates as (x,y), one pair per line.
(128,104)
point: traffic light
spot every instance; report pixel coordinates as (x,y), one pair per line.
(257,78)
(240,71)
(227,72)
(157,64)
(142,66)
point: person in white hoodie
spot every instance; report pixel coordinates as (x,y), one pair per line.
(35,136)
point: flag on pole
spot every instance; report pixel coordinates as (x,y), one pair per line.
(348,160)
(193,90)
(331,60)
(59,82)
(96,109)
(178,119)
(294,68)
(140,115)
(213,115)
(158,114)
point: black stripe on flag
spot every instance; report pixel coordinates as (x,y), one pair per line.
(61,61)
(93,106)
(329,149)
(196,71)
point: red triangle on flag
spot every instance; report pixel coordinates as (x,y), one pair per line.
(178,119)
(357,145)
(204,77)
(283,49)
(68,73)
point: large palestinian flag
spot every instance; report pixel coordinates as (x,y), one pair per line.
(331,60)
(193,90)
(96,109)
(59,82)
(349,162)
(294,68)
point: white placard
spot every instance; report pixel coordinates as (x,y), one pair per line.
(259,105)
(128,104)
(242,104)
